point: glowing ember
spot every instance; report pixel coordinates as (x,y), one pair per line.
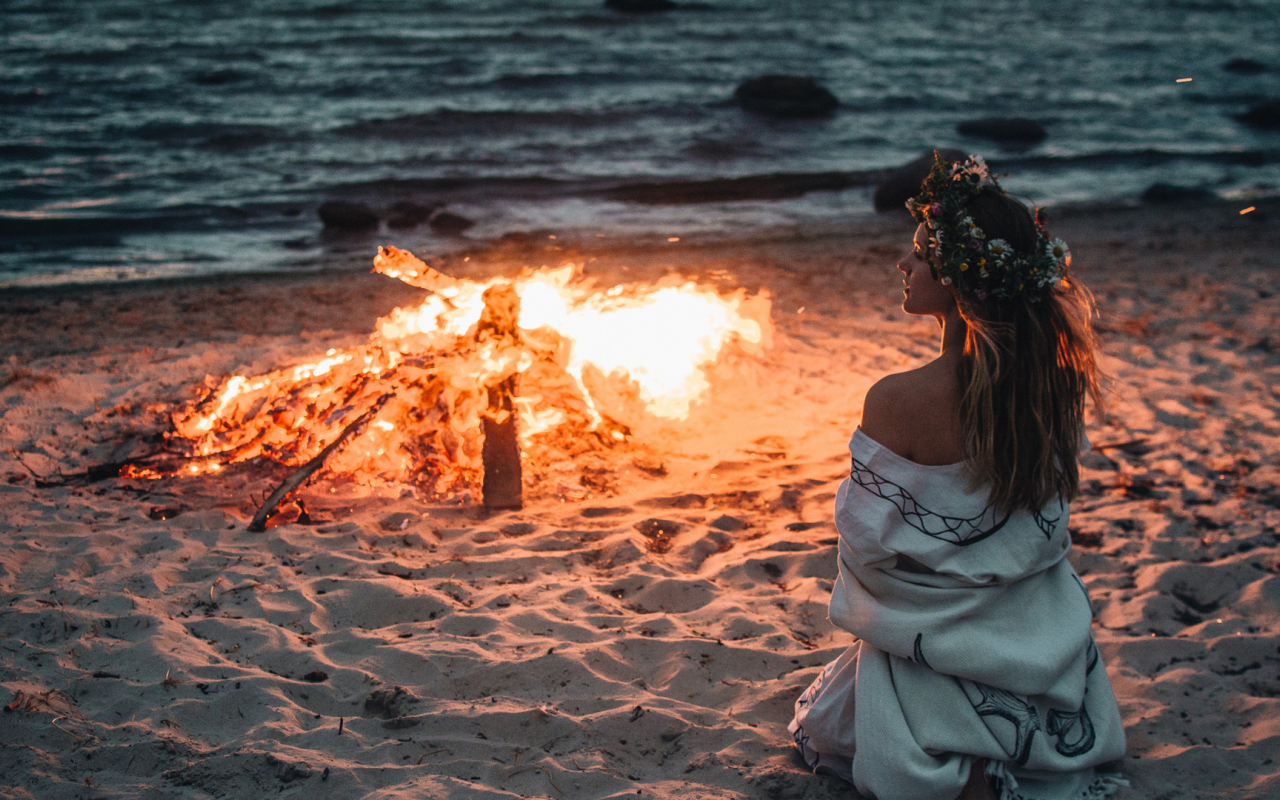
(587,359)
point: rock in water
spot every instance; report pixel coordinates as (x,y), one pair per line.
(785,96)
(446,223)
(408,214)
(903,183)
(1017,130)
(1168,194)
(343,215)
(639,6)
(1264,115)
(1244,66)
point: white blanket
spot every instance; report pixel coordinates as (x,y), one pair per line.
(974,642)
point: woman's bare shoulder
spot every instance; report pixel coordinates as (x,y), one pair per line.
(889,406)
(912,413)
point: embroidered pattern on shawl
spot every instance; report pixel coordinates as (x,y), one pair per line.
(1014,708)
(957,530)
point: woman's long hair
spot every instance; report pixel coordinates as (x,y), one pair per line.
(1026,369)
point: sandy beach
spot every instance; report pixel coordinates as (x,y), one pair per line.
(643,625)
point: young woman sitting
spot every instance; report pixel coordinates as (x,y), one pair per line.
(974,673)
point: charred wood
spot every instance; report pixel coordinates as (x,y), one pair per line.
(503,479)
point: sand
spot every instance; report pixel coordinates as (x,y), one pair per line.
(641,635)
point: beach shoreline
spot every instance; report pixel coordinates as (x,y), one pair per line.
(338,253)
(151,646)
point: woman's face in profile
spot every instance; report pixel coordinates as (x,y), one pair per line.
(922,293)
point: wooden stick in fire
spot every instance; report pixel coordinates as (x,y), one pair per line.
(396,263)
(503,481)
(502,486)
(259,522)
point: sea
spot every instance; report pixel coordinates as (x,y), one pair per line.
(148,139)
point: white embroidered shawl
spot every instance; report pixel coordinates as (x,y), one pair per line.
(975,638)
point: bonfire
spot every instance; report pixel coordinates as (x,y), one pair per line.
(450,397)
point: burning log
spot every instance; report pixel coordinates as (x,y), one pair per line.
(259,522)
(498,327)
(403,265)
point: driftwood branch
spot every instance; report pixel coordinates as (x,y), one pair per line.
(161,460)
(92,474)
(259,522)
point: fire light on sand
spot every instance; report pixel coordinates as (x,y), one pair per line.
(591,366)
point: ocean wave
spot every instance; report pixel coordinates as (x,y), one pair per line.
(1146,157)
(23,151)
(22,98)
(216,135)
(638,190)
(517,81)
(746,188)
(104,57)
(1227,98)
(54,229)
(448,122)
(220,77)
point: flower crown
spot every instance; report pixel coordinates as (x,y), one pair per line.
(963,256)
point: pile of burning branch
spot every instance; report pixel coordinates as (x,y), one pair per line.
(448,396)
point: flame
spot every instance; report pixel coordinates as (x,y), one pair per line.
(661,338)
(534,421)
(578,352)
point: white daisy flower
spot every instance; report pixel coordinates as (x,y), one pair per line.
(980,171)
(1058,251)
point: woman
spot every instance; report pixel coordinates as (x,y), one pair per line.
(975,674)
